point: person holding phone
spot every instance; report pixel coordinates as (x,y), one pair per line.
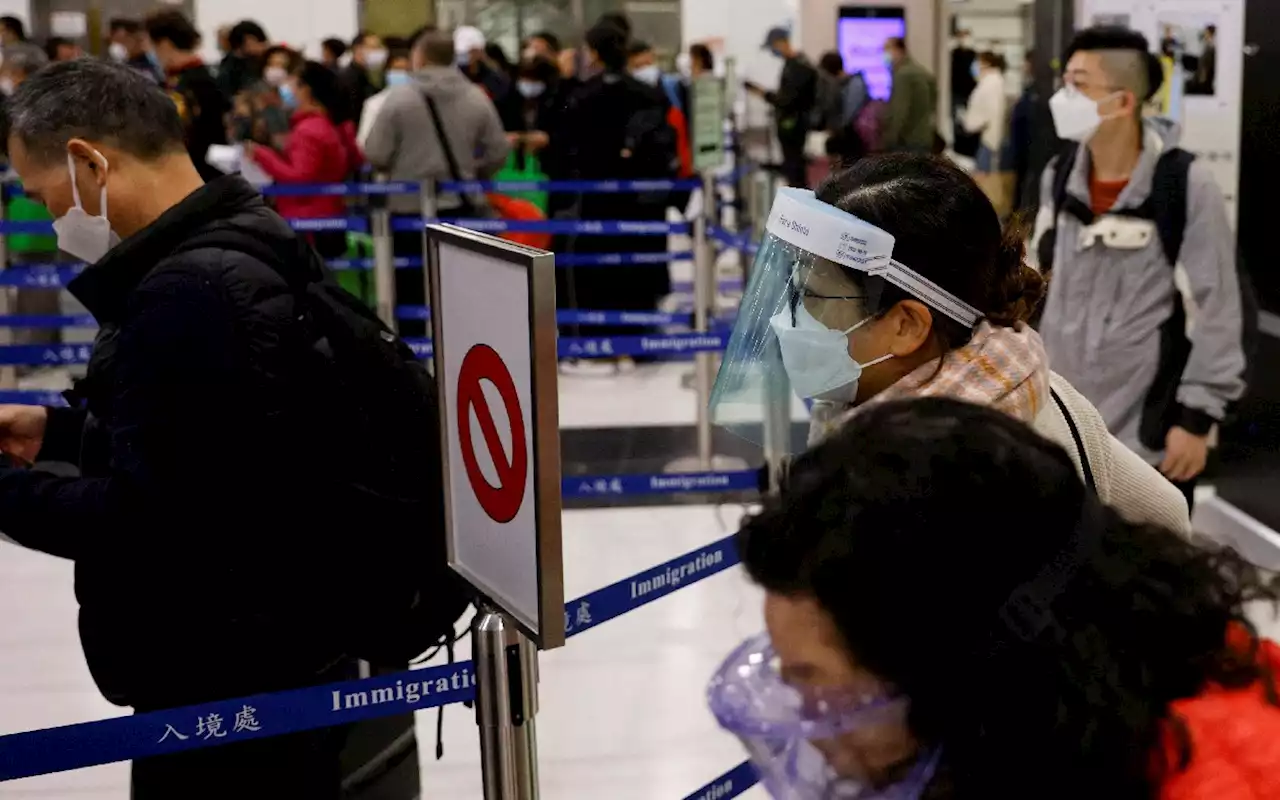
(793,104)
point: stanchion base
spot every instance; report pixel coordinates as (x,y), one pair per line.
(719,463)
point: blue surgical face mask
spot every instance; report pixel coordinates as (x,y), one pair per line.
(289,97)
(976,70)
(888,59)
(398,77)
(530,89)
(817,358)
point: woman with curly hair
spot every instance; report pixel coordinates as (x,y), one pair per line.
(921,647)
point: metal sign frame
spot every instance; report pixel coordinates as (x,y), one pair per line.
(548,631)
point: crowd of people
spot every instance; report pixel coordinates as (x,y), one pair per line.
(431,105)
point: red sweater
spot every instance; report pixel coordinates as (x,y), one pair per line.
(317,151)
(1235,741)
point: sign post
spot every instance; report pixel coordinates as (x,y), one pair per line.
(494,332)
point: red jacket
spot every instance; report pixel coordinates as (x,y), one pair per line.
(1235,742)
(317,151)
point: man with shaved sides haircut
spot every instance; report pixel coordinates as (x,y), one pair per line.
(1123,211)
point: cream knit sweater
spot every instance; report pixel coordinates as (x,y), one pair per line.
(1135,489)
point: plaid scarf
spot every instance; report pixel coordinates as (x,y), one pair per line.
(1004,368)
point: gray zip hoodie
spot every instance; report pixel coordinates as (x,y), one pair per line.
(1108,309)
(402,141)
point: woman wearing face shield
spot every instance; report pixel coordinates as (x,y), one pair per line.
(917,650)
(895,281)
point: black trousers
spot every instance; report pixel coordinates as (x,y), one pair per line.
(303,765)
(795,166)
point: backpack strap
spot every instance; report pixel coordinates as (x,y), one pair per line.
(1079,440)
(1062,199)
(1062,166)
(1168,200)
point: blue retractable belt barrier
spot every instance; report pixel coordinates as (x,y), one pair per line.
(619,259)
(555,226)
(405,262)
(57,276)
(50,321)
(586,187)
(733,783)
(340,189)
(23,755)
(675,483)
(356,224)
(564,317)
(45,355)
(733,241)
(32,397)
(672,344)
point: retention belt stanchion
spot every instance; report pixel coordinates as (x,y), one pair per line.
(384,261)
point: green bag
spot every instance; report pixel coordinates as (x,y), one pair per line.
(532,171)
(24,209)
(359,281)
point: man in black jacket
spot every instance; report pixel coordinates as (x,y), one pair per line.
(199,523)
(793,104)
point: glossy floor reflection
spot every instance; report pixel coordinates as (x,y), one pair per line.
(622,710)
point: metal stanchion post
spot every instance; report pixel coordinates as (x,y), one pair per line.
(704,300)
(430,205)
(705,364)
(506,707)
(384,259)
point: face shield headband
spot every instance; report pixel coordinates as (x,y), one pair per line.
(818,276)
(795,737)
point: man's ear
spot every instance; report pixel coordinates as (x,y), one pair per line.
(88,159)
(910,326)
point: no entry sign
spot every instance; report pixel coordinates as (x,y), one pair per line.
(493,317)
(501,502)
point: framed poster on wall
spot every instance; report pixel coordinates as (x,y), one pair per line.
(861,32)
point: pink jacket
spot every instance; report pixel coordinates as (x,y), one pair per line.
(317,151)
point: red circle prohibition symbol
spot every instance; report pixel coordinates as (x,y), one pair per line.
(501,502)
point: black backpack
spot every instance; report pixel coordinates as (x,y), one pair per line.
(1166,206)
(398,597)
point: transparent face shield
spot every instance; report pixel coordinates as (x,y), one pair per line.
(818,277)
(842,743)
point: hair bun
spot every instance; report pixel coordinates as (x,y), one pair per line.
(1019,288)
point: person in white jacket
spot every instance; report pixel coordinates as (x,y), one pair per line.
(860,340)
(988,110)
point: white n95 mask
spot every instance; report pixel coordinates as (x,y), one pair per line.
(80,235)
(817,358)
(1075,115)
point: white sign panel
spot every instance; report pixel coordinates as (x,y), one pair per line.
(501,431)
(69,24)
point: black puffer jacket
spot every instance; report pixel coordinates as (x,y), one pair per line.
(205,546)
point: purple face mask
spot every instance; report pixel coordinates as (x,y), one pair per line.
(793,735)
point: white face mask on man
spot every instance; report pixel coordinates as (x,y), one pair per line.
(1075,115)
(80,235)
